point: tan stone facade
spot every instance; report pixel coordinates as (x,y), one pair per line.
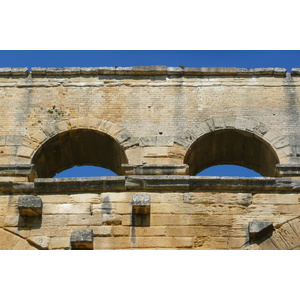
(156,128)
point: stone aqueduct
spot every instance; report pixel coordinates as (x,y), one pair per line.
(156,127)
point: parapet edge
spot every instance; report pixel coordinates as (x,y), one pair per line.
(146,70)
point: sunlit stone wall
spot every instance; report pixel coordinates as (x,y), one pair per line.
(155,127)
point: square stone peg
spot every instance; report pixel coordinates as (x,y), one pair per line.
(141,204)
(30,206)
(82,239)
(257,229)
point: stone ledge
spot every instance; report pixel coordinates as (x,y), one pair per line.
(295,71)
(146,70)
(18,170)
(288,169)
(14,71)
(151,183)
(9,170)
(54,185)
(153,169)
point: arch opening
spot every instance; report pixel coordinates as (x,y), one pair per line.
(234,147)
(80,147)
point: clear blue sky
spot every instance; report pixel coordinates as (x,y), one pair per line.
(173,58)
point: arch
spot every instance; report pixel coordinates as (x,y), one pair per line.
(278,142)
(232,146)
(285,236)
(78,147)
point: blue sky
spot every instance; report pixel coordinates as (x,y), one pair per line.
(123,58)
(189,58)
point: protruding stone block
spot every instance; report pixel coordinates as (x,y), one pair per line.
(30,206)
(141,204)
(257,229)
(82,239)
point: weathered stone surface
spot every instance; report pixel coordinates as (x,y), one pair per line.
(111,219)
(155,169)
(82,239)
(40,241)
(30,206)
(165,124)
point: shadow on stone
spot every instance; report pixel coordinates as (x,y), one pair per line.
(140,220)
(260,231)
(27,222)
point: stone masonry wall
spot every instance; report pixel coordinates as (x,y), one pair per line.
(152,118)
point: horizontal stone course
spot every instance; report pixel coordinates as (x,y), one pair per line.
(151,183)
(145,70)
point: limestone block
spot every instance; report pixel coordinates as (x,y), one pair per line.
(219,123)
(267,245)
(62,126)
(295,71)
(30,206)
(149,231)
(59,243)
(71,71)
(295,224)
(236,243)
(82,239)
(289,236)
(81,220)
(66,208)
(103,230)
(12,140)
(54,71)
(191,231)
(121,230)
(123,136)
(24,151)
(12,221)
(123,70)
(40,241)
(89,71)
(5,71)
(38,71)
(279,241)
(281,142)
(22,245)
(111,219)
(113,243)
(19,71)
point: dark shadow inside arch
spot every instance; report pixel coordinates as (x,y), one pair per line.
(78,148)
(234,147)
